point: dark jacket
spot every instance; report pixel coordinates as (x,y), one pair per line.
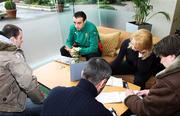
(79,100)
(142,69)
(163,98)
(16,80)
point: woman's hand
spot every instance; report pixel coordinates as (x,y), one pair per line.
(129,92)
(143,92)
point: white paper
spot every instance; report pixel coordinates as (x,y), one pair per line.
(113,81)
(111,97)
(64,59)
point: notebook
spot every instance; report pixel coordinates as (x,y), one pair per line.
(64,59)
(75,70)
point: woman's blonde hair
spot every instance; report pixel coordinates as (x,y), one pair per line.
(142,41)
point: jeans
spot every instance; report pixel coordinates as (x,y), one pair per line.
(30,110)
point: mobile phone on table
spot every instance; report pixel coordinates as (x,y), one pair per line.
(125,85)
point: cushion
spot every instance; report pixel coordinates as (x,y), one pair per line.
(110,43)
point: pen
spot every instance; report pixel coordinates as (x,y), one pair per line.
(113,112)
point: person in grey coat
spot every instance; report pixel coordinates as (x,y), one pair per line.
(16,79)
(164,97)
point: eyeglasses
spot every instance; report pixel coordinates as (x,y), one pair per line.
(142,52)
(136,49)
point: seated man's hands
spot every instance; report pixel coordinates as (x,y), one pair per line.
(76,49)
(68,49)
(75,52)
(72,51)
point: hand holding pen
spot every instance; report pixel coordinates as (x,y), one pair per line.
(128,91)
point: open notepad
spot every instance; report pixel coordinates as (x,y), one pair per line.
(111,97)
(113,81)
(64,59)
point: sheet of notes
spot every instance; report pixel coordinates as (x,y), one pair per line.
(113,81)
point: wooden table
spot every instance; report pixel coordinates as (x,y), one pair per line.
(58,74)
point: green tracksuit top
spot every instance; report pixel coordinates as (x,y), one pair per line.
(86,38)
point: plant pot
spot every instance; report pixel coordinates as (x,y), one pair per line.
(16,1)
(60,7)
(2,15)
(11,13)
(132,27)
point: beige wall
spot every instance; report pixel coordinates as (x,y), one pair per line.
(160,26)
(176,18)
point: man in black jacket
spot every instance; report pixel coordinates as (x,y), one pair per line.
(80,100)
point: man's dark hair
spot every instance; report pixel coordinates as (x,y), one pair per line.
(10,30)
(80,14)
(169,45)
(96,70)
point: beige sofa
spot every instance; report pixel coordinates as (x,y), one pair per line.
(106,33)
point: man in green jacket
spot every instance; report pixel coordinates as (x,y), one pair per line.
(83,38)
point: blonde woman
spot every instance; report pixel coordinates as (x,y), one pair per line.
(139,58)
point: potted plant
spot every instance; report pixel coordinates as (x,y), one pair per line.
(10,7)
(60,5)
(142,10)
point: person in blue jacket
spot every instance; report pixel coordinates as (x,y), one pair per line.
(83,38)
(80,100)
